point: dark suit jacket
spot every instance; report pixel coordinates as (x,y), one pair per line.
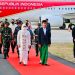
(73,34)
(16,32)
(44,38)
(49,27)
(36,31)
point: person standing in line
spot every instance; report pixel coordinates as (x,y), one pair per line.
(27,22)
(0,43)
(70,26)
(6,34)
(73,35)
(36,31)
(24,44)
(48,25)
(16,32)
(13,42)
(6,20)
(44,42)
(31,34)
(1,26)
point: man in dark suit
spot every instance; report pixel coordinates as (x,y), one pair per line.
(73,35)
(0,41)
(48,25)
(17,29)
(44,42)
(1,26)
(36,31)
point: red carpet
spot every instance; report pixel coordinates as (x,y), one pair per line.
(34,68)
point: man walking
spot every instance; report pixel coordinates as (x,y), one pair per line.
(44,42)
(36,31)
(6,34)
(73,35)
(13,42)
(48,25)
(17,29)
(1,26)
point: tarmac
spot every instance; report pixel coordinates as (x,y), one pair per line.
(6,68)
(58,36)
(61,36)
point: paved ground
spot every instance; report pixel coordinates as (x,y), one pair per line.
(57,36)
(61,36)
(6,68)
(65,62)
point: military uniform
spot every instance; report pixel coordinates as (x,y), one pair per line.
(6,39)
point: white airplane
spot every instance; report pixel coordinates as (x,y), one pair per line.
(56,13)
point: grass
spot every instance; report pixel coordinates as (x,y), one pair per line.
(63,50)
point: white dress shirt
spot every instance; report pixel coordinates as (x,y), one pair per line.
(44,29)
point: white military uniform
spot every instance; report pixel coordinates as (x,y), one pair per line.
(23,39)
